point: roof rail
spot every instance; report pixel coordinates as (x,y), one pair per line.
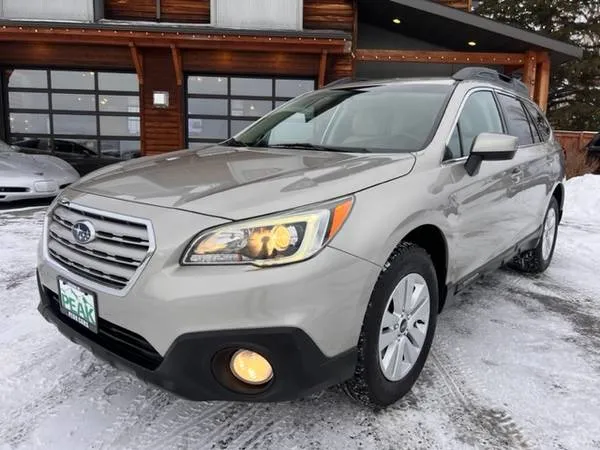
(343,81)
(493,76)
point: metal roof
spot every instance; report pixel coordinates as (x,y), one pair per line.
(452,28)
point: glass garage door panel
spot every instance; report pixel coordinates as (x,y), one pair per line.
(59,108)
(221,106)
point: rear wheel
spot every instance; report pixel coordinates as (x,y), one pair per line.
(398,328)
(538,259)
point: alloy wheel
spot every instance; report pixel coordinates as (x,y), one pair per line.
(404,327)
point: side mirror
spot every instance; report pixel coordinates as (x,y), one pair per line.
(491,147)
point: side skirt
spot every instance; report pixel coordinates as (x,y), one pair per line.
(529,243)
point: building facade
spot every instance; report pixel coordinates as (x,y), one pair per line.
(122,77)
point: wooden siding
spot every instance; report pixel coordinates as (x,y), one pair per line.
(130,9)
(329,15)
(74,56)
(250,63)
(161,128)
(196,11)
(339,67)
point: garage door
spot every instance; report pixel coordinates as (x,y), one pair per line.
(85,112)
(220,106)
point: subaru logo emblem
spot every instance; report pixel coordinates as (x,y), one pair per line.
(83,232)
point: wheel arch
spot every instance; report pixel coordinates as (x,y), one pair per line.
(432,240)
(559,195)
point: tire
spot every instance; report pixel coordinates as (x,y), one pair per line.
(374,383)
(538,259)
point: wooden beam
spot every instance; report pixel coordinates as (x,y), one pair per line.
(530,71)
(177,65)
(443,57)
(164,39)
(137,62)
(542,85)
(322,69)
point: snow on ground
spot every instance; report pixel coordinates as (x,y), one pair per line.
(515,363)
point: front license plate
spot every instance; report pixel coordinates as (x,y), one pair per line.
(78,304)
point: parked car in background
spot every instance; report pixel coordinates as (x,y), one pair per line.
(82,158)
(24,177)
(315,247)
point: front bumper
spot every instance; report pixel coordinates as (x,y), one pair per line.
(189,367)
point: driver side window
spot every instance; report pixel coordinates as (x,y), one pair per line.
(479,115)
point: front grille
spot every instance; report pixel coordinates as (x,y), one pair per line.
(13,189)
(113,338)
(113,259)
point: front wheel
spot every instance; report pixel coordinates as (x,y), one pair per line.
(538,259)
(398,328)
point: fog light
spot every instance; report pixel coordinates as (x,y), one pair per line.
(251,368)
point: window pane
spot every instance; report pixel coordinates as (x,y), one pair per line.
(278,103)
(80,147)
(120,126)
(73,102)
(518,123)
(207,106)
(253,108)
(542,124)
(258,87)
(27,100)
(239,125)
(207,85)
(480,115)
(74,124)
(27,79)
(29,123)
(118,82)
(293,88)
(120,149)
(453,149)
(207,128)
(120,103)
(72,80)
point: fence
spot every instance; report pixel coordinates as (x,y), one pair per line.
(573,141)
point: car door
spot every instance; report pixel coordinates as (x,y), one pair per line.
(533,165)
(479,210)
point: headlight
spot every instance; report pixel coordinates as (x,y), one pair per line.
(281,239)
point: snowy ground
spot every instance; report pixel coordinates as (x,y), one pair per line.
(516,363)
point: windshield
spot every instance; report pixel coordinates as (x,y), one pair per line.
(389,118)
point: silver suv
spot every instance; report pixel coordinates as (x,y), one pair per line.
(315,248)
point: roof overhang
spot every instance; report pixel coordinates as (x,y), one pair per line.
(452,29)
(169,35)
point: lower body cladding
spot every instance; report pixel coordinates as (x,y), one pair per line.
(197,365)
(181,327)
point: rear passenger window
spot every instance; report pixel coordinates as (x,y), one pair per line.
(540,121)
(479,115)
(517,120)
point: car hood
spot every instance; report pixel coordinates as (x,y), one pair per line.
(13,165)
(240,182)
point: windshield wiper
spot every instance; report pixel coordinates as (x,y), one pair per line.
(232,142)
(321,148)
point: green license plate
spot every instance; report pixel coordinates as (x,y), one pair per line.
(78,304)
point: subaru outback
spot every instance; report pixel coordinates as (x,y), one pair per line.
(314,248)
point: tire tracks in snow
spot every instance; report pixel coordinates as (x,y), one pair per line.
(19,424)
(496,424)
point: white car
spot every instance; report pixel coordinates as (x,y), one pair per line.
(24,177)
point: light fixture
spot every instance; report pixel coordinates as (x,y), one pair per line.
(160,99)
(472,43)
(397,21)
(251,367)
